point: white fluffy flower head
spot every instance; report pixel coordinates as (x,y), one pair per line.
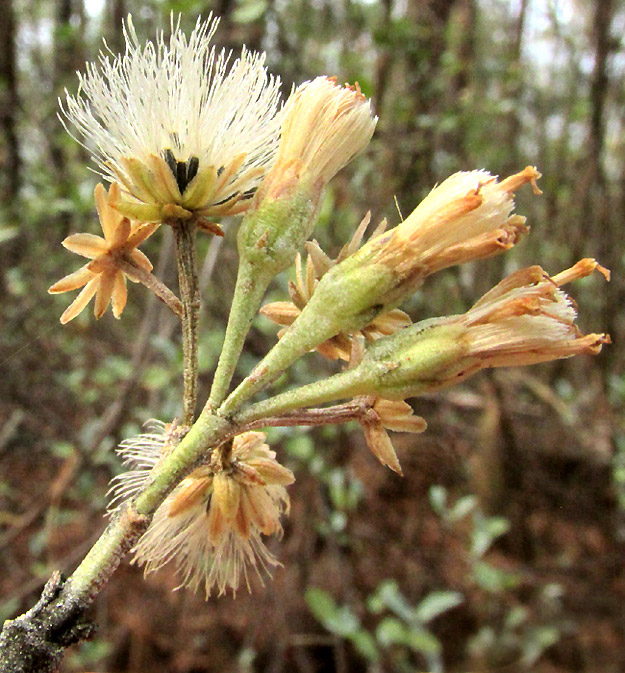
(178,124)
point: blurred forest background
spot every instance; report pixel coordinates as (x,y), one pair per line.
(502,547)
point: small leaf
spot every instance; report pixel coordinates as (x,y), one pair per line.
(364,644)
(463,507)
(391,631)
(438,499)
(436,603)
(321,604)
(423,641)
(249,11)
(338,620)
(492,579)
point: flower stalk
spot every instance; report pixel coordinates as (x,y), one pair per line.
(152,283)
(186,257)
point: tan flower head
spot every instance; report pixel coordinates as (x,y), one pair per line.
(527,319)
(324,127)
(212,524)
(113,258)
(467,217)
(300,291)
(523,320)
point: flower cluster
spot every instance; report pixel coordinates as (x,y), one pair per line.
(186,135)
(211,525)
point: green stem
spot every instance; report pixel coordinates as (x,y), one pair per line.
(184,233)
(248,294)
(345,384)
(299,339)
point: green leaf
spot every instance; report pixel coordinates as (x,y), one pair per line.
(391,631)
(338,620)
(438,499)
(249,11)
(364,644)
(539,639)
(492,579)
(436,603)
(486,532)
(463,507)
(7,233)
(425,642)
(321,604)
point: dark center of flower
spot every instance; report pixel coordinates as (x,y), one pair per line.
(183,171)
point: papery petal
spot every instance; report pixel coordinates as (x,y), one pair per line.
(272,472)
(280,312)
(141,260)
(226,495)
(107,215)
(87,245)
(81,300)
(381,446)
(141,233)
(120,294)
(104,292)
(120,234)
(72,281)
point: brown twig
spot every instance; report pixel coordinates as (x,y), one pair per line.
(150,281)
(184,234)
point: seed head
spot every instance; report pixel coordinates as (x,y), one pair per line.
(185,130)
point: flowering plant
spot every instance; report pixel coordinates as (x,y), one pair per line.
(186,136)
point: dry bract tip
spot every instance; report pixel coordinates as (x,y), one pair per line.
(212,524)
(383,415)
(113,258)
(467,217)
(528,319)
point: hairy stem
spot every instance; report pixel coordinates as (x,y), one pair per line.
(153,284)
(249,291)
(184,233)
(339,413)
(342,385)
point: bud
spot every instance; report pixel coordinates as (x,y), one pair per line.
(324,126)
(523,320)
(467,217)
